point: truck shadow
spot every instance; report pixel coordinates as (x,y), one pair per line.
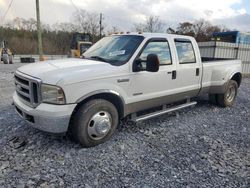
(203,105)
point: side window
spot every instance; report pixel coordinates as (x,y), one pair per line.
(160,48)
(185,52)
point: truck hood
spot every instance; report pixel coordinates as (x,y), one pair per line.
(69,71)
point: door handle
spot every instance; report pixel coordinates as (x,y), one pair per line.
(174,74)
(197,72)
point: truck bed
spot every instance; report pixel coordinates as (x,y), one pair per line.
(216,72)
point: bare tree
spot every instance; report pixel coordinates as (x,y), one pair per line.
(186,28)
(153,24)
(22,24)
(93,23)
(65,27)
(201,29)
(79,18)
(139,27)
(29,24)
(46,27)
(204,29)
(16,23)
(112,30)
(87,22)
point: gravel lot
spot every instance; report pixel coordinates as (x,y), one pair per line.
(203,146)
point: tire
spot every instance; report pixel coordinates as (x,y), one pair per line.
(5,62)
(228,98)
(94,122)
(5,58)
(213,99)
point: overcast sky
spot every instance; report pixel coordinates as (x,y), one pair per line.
(235,14)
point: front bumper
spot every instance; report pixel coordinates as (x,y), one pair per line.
(46,117)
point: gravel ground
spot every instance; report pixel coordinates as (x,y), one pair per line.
(203,146)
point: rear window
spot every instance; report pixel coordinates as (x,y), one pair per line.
(185,51)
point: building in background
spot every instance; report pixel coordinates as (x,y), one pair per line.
(232,37)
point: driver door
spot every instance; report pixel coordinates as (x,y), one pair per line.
(148,89)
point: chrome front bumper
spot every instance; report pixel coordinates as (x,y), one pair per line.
(46,117)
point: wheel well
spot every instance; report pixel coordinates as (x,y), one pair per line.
(237,77)
(114,99)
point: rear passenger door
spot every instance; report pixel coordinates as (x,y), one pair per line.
(188,74)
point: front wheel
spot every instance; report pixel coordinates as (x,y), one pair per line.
(228,98)
(94,122)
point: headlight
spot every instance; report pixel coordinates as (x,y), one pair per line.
(52,94)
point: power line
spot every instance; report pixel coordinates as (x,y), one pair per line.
(72,2)
(6,12)
(77,9)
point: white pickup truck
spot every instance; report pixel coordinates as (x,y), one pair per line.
(121,76)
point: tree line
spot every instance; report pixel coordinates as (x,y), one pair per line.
(201,29)
(21,35)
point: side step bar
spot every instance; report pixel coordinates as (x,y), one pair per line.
(164,111)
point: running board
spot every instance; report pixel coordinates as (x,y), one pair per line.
(164,111)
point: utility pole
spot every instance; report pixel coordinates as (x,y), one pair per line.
(39,32)
(100,25)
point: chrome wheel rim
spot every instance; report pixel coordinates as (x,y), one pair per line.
(99,125)
(230,95)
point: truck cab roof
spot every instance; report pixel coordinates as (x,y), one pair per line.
(156,35)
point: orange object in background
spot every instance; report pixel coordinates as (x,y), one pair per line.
(43,58)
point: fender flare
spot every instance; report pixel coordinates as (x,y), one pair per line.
(101,91)
(233,74)
(120,104)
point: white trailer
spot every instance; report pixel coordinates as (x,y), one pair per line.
(226,50)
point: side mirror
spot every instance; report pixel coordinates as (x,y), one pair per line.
(153,63)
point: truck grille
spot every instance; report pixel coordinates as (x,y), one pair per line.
(28,89)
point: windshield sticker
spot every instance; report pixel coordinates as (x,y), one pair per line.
(116,53)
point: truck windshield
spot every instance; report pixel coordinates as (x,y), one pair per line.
(115,49)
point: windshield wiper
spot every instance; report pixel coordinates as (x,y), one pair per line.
(99,58)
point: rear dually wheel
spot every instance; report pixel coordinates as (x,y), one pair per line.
(228,98)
